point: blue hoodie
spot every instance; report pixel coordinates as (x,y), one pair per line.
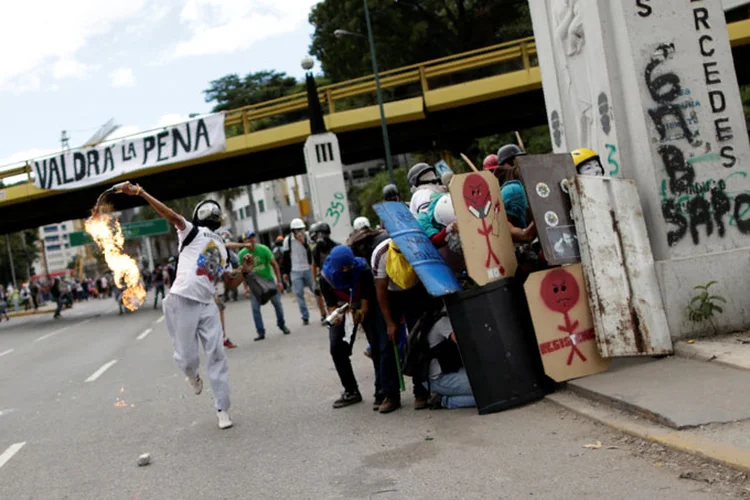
(340,257)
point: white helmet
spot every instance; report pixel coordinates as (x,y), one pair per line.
(361,223)
(297,224)
(444,213)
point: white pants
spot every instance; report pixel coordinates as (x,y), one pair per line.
(187,321)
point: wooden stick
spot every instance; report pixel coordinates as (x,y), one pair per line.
(520,141)
(467,160)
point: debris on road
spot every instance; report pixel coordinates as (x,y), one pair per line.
(593,446)
(144,459)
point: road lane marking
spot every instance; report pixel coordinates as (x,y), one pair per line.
(139,337)
(6,352)
(61,330)
(159,320)
(53,333)
(98,373)
(12,450)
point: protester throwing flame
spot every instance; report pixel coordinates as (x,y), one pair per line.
(190,311)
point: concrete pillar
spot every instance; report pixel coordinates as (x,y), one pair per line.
(651,86)
(325,173)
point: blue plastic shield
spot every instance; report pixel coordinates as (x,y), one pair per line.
(442,168)
(435,274)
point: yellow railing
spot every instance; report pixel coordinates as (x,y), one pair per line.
(521,51)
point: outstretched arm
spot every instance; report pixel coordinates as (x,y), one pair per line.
(173,217)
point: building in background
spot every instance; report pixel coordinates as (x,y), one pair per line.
(56,253)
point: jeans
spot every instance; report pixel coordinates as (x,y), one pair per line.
(158,289)
(410,305)
(258,317)
(300,280)
(383,354)
(454,388)
(341,353)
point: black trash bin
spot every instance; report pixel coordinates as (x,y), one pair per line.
(497,344)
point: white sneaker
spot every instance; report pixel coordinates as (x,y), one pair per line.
(224,421)
(197,384)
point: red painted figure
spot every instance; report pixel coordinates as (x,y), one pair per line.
(560,293)
(478,200)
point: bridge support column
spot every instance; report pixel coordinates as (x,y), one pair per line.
(651,86)
(325,173)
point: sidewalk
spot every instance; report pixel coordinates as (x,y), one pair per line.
(47,308)
(688,404)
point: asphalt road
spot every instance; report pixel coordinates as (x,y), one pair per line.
(86,397)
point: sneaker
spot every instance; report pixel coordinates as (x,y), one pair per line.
(420,403)
(305,321)
(197,384)
(285,330)
(224,421)
(377,402)
(389,405)
(347,398)
(260,336)
(229,344)
(435,402)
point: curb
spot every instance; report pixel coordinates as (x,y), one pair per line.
(21,314)
(683,441)
(688,353)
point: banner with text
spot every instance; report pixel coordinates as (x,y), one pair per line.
(87,166)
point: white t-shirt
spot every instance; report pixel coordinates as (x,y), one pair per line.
(201,265)
(378,263)
(298,253)
(441,330)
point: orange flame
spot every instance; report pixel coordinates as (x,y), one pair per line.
(107,233)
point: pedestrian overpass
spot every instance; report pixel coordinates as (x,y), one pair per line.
(441,104)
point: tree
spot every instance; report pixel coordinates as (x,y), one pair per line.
(362,198)
(232,92)
(410,31)
(24,250)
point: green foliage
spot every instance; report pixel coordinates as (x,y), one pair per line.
(410,31)
(703,306)
(231,91)
(362,198)
(23,246)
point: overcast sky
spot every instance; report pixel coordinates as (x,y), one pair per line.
(75,64)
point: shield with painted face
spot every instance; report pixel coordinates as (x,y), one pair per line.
(563,323)
(483,227)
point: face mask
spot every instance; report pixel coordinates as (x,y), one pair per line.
(591,167)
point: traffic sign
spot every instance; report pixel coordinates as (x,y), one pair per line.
(129,231)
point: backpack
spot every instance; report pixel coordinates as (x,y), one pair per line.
(419,354)
(398,268)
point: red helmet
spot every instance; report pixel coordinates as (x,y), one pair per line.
(490,163)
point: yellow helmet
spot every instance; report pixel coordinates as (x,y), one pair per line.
(582,154)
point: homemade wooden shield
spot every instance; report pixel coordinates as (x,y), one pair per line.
(483,226)
(623,288)
(563,324)
(550,205)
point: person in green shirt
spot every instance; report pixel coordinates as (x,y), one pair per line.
(264,266)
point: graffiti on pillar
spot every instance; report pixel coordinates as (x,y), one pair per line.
(569,33)
(605,117)
(556,126)
(336,208)
(698,209)
(612,159)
